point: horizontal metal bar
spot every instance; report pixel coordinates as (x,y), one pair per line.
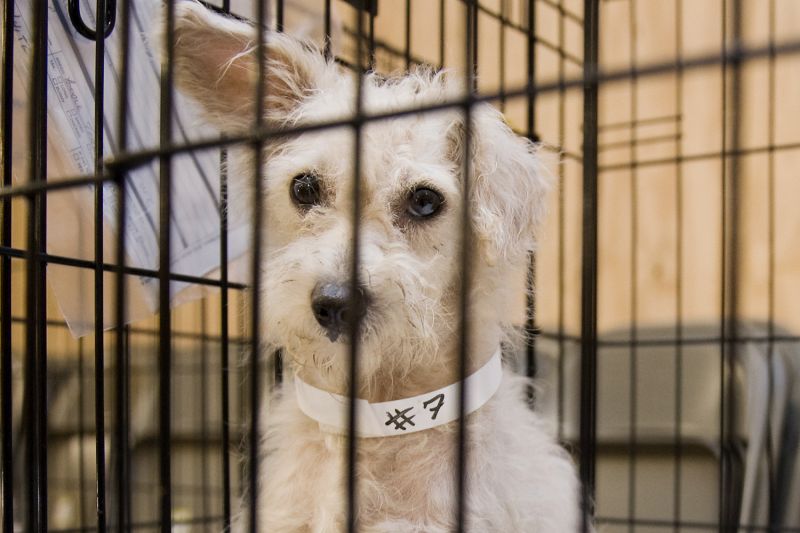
(683,341)
(36,187)
(703,156)
(31,189)
(108,267)
(640,142)
(688,524)
(144,525)
(193,335)
(130,160)
(569,15)
(622,343)
(638,122)
(268,133)
(671,342)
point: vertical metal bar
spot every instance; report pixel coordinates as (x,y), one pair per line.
(279,15)
(442,33)
(772,487)
(278,366)
(99,348)
(123,458)
(29,421)
(224,329)
(728,478)
(407,50)
(371,35)
(256,266)
(501,45)
(242,393)
(40,247)
(224,341)
(588,399)
(723,471)
(634,237)
(351,481)
(277,356)
(678,430)
(531,367)
(530,303)
(735,255)
(562,95)
(327,29)
(202,398)
(81,435)
(165,315)
(531,60)
(121,403)
(471,52)
(36,348)
(5,272)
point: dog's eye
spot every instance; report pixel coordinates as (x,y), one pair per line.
(423,203)
(305,190)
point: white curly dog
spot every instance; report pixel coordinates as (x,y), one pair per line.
(411,188)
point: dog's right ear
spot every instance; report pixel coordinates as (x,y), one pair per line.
(508,185)
(216,64)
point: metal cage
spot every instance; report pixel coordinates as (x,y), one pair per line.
(89,436)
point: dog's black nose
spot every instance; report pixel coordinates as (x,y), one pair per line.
(334,307)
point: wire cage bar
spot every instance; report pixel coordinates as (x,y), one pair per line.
(664,275)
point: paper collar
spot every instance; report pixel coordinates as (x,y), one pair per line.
(404,416)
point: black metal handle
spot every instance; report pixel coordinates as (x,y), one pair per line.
(74,9)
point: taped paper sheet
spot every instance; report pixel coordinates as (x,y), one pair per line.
(195,220)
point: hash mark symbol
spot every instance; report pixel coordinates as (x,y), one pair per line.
(435,408)
(399,419)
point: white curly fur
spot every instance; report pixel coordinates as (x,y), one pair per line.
(518,479)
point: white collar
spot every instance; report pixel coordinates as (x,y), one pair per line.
(404,416)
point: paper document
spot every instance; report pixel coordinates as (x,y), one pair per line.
(195,220)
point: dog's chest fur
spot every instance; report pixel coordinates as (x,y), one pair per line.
(517,477)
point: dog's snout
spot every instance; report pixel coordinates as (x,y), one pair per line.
(335,306)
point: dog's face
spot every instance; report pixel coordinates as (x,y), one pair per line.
(409,236)
(411,196)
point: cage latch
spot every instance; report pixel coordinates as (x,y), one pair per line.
(74,9)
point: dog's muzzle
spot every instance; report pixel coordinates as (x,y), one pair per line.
(335,307)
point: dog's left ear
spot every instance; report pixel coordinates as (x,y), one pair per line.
(216,64)
(509,186)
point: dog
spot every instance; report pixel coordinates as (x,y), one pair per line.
(411,182)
